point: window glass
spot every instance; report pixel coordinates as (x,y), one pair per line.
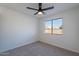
(57,26)
(54,26)
(47,26)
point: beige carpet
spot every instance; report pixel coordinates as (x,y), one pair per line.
(39,49)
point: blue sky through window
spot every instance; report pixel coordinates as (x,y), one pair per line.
(57,23)
(48,24)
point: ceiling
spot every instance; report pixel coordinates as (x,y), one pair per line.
(21,7)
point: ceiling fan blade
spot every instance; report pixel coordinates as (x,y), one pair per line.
(36,13)
(31,8)
(40,5)
(47,8)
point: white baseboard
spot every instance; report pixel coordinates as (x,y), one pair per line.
(59,46)
(19,45)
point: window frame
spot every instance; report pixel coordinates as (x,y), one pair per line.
(52,26)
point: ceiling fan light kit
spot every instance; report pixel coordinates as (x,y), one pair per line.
(40,13)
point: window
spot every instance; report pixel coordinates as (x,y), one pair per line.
(54,26)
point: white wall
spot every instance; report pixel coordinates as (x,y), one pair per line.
(16,29)
(70,39)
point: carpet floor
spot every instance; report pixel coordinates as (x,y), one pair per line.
(39,49)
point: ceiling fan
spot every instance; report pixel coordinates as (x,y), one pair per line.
(40,10)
